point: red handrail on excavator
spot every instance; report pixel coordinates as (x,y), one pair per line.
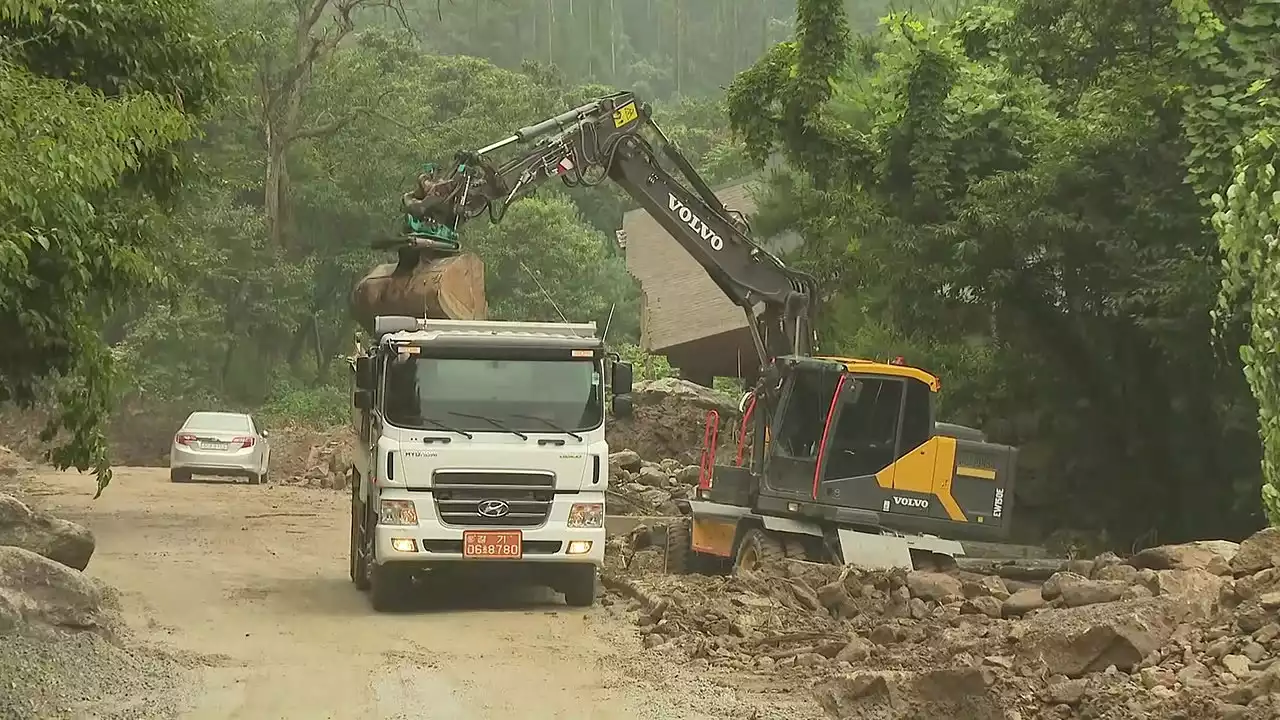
(710,436)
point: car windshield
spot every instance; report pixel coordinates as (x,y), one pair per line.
(483,395)
(217,422)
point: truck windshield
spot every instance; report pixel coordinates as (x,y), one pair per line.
(521,395)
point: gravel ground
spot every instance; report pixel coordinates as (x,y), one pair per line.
(50,674)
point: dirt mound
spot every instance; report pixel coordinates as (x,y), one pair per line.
(1109,638)
(669,421)
(137,435)
(312,458)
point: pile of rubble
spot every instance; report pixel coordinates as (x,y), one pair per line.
(1183,631)
(640,487)
(312,458)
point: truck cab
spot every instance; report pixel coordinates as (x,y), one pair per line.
(481,443)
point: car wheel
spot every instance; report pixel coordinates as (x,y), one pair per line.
(179,476)
(254,479)
(580,586)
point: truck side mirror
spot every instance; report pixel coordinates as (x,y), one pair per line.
(362,399)
(364,373)
(622,407)
(622,378)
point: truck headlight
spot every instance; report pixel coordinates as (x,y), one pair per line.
(397,512)
(586,515)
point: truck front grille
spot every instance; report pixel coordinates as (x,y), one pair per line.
(459,496)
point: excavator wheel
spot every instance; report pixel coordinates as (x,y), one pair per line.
(682,559)
(679,550)
(795,549)
(758,549)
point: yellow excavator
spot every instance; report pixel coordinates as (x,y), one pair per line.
(839,459)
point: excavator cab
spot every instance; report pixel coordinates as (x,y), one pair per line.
(856,442)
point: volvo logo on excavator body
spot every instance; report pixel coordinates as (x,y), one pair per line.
(694,222)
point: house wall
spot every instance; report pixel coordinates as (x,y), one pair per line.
(681,303)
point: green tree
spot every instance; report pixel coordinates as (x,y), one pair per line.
(95,100)
(1006,185)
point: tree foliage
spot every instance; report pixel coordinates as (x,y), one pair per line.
(94,100)
(1008,184)
(1232,117)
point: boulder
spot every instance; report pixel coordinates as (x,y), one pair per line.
(625,460)
(57,539)
(944,693)
(652,476)
(1210,555)
(39,590)
(1091,592)
(934,586)
(1084,640)
(1022,602)
(656,391)
(1258,552)
(1200,587)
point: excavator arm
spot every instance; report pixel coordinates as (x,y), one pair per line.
(606,139)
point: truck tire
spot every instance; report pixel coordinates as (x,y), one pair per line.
(580,586)
(758,548)
(388,587)
(359,560)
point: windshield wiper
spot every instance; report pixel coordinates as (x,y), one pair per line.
(444,426)
(492,422)
(552,425)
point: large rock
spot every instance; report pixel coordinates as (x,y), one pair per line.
(1085,640)
(39,590)
(934,586)
(1210,555)
(1199,587)
(944,693)
(55,538)
(656,391)
(1258,552)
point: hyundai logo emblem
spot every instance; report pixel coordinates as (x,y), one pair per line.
(494,508)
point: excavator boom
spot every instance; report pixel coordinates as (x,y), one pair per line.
(606,139)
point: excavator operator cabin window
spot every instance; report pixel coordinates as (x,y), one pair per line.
(917,417)
(806,414)
(865,438)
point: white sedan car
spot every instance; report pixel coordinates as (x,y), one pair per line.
(219,443)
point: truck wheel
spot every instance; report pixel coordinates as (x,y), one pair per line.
(179,476)
(758,548)
(580,586)
(360,554)
(388,587)
(679,554)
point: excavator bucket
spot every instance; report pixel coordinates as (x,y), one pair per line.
(443,288)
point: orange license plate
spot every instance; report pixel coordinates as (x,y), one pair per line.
(492,544)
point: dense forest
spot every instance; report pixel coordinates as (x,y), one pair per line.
(1065,208)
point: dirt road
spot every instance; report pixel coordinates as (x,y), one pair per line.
(251,584)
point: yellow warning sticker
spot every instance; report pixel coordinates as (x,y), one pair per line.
(625,114)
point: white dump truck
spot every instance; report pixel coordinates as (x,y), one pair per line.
(481,443)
